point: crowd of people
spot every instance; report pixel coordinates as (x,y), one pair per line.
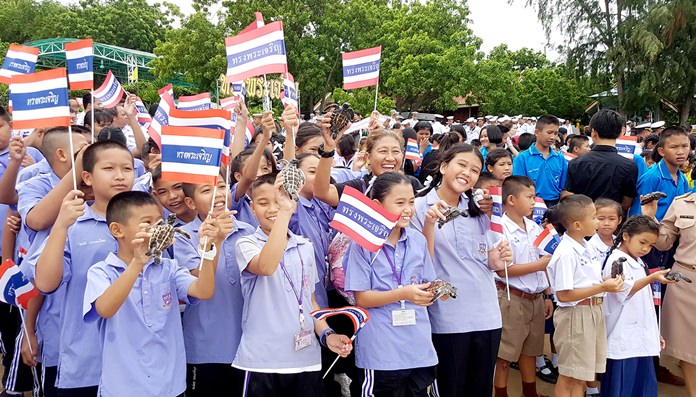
(226,309)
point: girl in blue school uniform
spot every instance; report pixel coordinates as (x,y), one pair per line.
(466,330)
(395,348)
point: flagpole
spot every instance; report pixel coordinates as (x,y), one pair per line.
(352,338)
(266,96)
(26,335)
(91,98)
(72,154)
(376,93)
(205,240)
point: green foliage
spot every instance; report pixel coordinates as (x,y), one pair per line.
(363,100)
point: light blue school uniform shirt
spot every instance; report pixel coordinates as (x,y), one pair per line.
(242,207)
(659,179)
(89,242)
(461,257)
(270,318)
(549,174)
(142,345)
(204,342)
(42,167)
(380,345)
(311,220)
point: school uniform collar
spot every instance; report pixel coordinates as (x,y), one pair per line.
(535,152)
(114,261)
(403,237)
(514,227)
(432,197)
(293,239)
(579,248)
(632,262)
(666,175)
(91,215)
(307,203)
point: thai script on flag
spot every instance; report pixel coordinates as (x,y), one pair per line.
(357,315)
(361,68)
(656,289)
(15,288)
(79,56)
(161,117)
(191,155)
(19,60)
(218,119)
(256,52)
(40,100)
(569,156)
(195,102)
(539,209)
(289,94)
(496,193)
(363,220)
(412,150)
(110,92)
(548,240)
(144,118)
(626,146)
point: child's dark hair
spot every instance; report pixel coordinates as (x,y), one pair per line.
(525,140)
(303,156)
(547,120)
(495,135)
(634,225)
(552,216)
(5,115)
(459,129)
(576,141)
(238,161)
(514,185)
(423,125)
(476,143)
(670,132)
(605,203)
(268,179)
(51,142)
(346,146)
(485,177)
(572,208)
(114,134)
(496,155)
(383,184)
(608,123)
(652,138)
(91,154)
(305,132)
(120,206)
(100,117)
(446,157)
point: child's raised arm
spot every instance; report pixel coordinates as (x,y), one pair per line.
(17,152)
(239,129)
(323,189)
(251,166)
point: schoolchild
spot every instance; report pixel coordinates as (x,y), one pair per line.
(580,333)
(209,352)
(499,163)
(79,239)
(530,301)
(465,253)
(133,301)
(609,218)
(633,337)
(170,195)
(391,284)
(278,349)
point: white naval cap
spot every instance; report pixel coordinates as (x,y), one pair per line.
(658,124)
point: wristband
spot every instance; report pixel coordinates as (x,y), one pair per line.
(548,296)
(209,255)
(325,155)
(325,334)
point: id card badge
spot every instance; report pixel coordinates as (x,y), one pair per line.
(403,317)
(303,339)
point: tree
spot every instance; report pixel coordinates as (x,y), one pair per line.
(363,100)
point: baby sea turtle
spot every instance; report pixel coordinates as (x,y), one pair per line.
(648,198)
(340,118)
(293,179)
(676,277)
(162,236)
(440,288)
(451,214)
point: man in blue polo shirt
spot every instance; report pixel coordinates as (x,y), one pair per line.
(547,167)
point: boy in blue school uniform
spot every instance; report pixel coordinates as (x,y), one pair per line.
(79,239)
(547,167)
(133,301)
(278,349)
(209,352)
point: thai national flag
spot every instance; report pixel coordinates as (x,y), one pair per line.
(191,155)
(195,102)
(289,94)
(497,211)
(357,315)
(110,92)
(229,103)
(548,240)
(539,209)
(412,150)
(363,220)
(626,146)
(361,68)
(249,133)
(569,156)
(79,57)
(258,22)
(14,287)
(239,88)
(161,118)
(218,119)
(19,60)
(40,100)
(256,52)
(144,118)
(656,289)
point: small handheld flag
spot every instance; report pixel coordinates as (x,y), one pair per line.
(162,114)
(358,315)
(626,146)
(213,118)
(569,156)
(19,60)
(229,103)
(361,68)
(15,289)
(656,287)
(289,94)
(412,150)
(191,155)
(497,212)
(258,22)
(110,92)
(144,118)
(256,52)
(539,209)
(79,56)
(239,88)
(40,100)
(363,220)
(548,240)
(194,102)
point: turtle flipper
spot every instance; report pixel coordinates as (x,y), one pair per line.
(158,259)
(183,233)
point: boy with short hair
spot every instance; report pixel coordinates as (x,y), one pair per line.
(209,352)
(278,349)
(579,145)
(580,334)
(132,301)
(171,196)
(79,239)
(530,301)
(546,166)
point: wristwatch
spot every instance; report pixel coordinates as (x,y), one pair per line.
(209,255)
(548,296)
(323,154)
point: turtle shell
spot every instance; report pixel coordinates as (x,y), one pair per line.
(340,118)
(293,179)
(162,234)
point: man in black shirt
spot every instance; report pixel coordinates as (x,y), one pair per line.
(603,172)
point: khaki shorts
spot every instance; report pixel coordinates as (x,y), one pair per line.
(523,327)
(581,341)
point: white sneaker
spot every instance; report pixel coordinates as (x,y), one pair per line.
(344,381)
